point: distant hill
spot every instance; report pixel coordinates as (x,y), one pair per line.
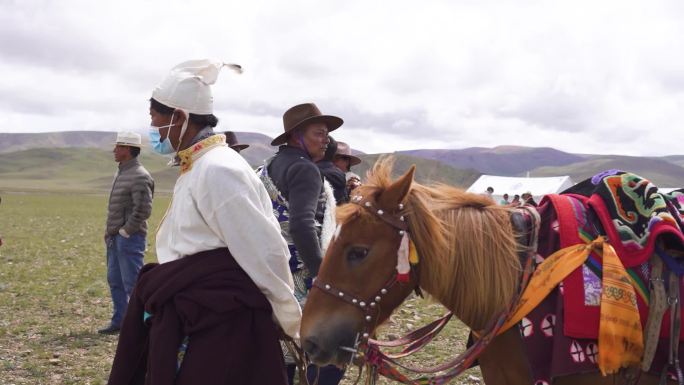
(665,171)
(427,170)
(82,160)
(259,148)
(662,173)
(674,159)
(80,139)
(260,145)
(501,160)
(88,164)
(91,169)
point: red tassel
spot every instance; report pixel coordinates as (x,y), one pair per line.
(403,278)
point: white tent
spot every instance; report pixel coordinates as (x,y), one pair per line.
(667,190)
(514,185)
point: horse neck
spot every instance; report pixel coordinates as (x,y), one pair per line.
(478,273)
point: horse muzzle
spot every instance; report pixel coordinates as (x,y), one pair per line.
(330,345)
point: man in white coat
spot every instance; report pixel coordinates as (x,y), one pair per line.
(220,218)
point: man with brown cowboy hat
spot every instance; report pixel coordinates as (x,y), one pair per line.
(301,202)
(344,159)
(231,140)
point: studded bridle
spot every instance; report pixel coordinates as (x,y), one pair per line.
(369,306)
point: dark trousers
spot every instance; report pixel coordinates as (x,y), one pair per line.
(327,375)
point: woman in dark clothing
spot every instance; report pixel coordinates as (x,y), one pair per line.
(333,174)
(296,187)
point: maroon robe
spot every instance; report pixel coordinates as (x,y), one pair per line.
(211,300)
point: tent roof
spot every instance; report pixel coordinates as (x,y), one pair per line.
(515,185)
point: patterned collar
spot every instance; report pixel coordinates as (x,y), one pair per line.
(194,152)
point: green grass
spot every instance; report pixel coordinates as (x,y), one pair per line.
(53,290)
(54,294)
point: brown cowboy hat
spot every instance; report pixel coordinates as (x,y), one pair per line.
(301,115)
(344,151)
(231,140)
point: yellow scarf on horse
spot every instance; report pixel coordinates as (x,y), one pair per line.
(621,341)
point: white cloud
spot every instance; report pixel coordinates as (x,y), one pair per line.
(581,76)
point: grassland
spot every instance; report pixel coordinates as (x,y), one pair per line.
(54,295)
(74,170)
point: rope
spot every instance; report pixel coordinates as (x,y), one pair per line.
(299,357)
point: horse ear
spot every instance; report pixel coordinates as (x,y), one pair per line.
(397,191)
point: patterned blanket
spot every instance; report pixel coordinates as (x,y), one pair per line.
(639,222)
(635,217)
(633,213)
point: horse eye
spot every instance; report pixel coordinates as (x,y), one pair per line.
(357,254)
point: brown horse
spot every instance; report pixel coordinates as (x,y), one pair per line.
(468,262)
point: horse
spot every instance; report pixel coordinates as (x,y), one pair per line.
(469,262)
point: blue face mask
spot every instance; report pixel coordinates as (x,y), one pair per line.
(157,145)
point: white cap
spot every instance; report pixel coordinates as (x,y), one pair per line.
(129,139)
(187,86)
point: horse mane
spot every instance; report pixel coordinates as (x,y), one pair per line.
(465,242)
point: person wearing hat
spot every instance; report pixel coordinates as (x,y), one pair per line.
(231,140)
(304,208)
(528,199)
(214,306)
(333,174)
(344,160)
(130,205)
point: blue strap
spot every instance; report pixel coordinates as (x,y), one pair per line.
(670,261)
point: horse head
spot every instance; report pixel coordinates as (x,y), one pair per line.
(356,288)
(467,250)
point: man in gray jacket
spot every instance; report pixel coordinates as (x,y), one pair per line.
(130,205)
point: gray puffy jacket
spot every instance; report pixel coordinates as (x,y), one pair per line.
(130,201)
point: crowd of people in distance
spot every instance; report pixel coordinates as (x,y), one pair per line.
(518,200)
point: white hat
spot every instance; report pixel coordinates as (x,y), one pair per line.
(186,87)
(129,139)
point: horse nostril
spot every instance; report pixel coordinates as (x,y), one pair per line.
(310,346)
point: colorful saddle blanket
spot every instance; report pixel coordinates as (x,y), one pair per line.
(561,334)
(637,219)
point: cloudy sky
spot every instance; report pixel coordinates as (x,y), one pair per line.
(581,76)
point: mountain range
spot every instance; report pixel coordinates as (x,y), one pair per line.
(82,161)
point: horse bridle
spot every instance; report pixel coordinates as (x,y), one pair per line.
(369,306)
